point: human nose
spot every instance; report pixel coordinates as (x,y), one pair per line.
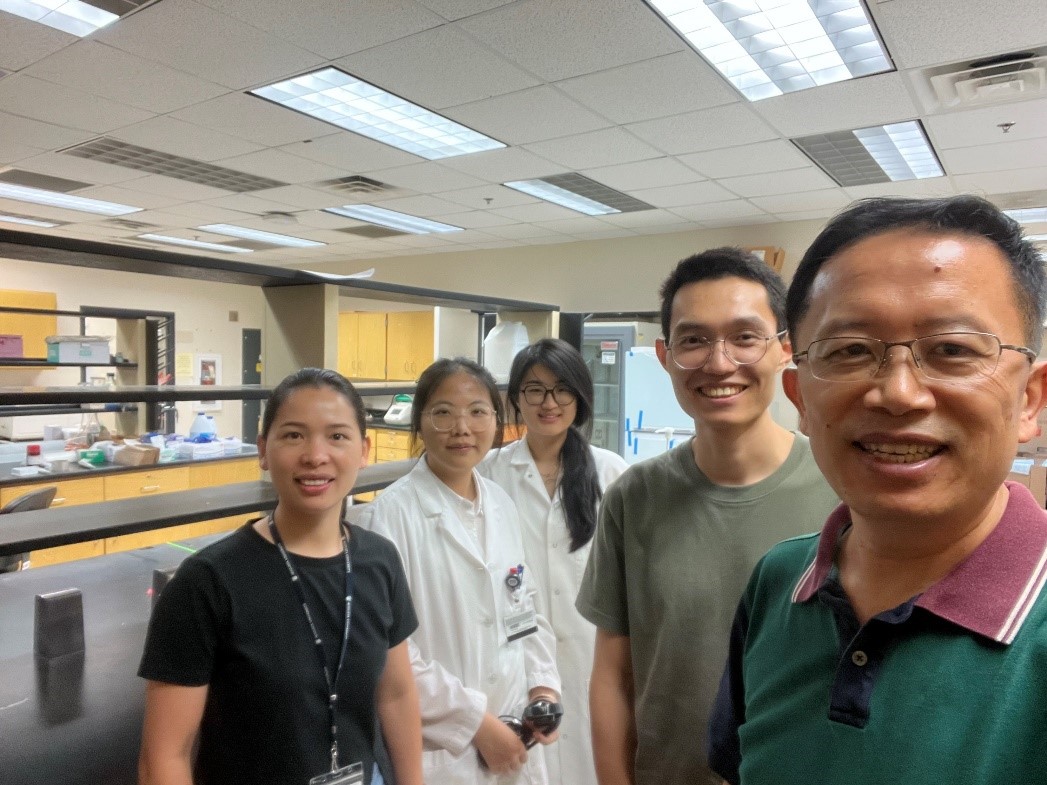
(718,360)
(315,451)
(460,422)
(899,385)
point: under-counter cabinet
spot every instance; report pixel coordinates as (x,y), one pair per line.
(70,493)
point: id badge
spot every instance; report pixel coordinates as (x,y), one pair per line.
(521,624)
(353,774)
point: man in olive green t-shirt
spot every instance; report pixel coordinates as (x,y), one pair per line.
(679,534)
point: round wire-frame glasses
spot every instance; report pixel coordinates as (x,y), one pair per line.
(745,347)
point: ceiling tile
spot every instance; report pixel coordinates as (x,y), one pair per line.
(988,158)
(459,9)
(689,193)
(81,169)
(643,219)
(246,203)
(298,197)
(185,139)
(488,197)
(659,87)
(474,219)
(729,223)
(930,32)
(557,39)
(422,206)
(191,37)
(351,153)
(809,200)
(332,28)
(810,178)
(198,213)
(595,148)
(91,67)
(51,103)
(982,126)
(539,211)
(23,42)
(12,152)
(706,129)
(524,231)
(857,103)
(249,117)
(278,165)
(168,186)
(501,166)
(644,174)
(731,210)
(38,134)
(931,186)
(121,195)
(438,68)
(1031,179)
(429,176)
(806,215)
(527,116)
(758,158)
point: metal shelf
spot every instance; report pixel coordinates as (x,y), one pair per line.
(153,393)
(41,362)
(65,408)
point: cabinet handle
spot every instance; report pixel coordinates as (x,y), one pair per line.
(149,488)
(57,500)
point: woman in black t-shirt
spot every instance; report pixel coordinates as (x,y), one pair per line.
(282,649)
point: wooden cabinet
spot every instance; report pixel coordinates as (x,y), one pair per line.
(388,445)
(409,344)
(362,344)
(87,490)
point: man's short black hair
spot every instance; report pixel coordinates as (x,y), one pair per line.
(719,263)
(963,215)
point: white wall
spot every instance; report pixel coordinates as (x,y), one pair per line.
(201,311)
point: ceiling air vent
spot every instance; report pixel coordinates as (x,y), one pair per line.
(142,159)
(42,181)
(1020,75)
(359,188)
(372,232)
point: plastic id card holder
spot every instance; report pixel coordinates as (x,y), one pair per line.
(520,624)
(353,774)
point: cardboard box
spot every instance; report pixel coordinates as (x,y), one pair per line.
(137,455)
(11,346)
(77,349)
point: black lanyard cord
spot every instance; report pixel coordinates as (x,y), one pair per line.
(332,684)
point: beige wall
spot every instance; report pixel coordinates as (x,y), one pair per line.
(201,320)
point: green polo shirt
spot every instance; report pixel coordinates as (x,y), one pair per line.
(948,688)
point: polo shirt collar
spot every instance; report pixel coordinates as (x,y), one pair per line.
(989,593)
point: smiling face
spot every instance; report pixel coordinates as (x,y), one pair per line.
(722,394)
(549,418)
(900,446)
(452,455)
(313,451)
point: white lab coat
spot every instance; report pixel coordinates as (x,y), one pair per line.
(461,658)
(547,544)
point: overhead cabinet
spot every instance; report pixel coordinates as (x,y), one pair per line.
(394,346)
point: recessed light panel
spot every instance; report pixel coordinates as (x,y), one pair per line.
(265,237)
(770,47)
(578,192)
(70,16)
(880,154)
(21,219)
(350,103)
(391,219)
(1029,215)
(21,193)
(201,245)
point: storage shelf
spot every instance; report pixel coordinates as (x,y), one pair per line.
(65,408)
(153,393)
(40,362)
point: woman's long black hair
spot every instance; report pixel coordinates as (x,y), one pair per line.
(579,485)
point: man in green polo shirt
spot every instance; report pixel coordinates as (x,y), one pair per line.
(908,641)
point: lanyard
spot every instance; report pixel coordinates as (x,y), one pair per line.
(332,684)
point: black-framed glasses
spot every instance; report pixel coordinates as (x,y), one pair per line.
(947,357)
(745,347)
(535,394)
(479,418)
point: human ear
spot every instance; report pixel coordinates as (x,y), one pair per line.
(791,384)
(661,350)
(261,453)
(1034,397)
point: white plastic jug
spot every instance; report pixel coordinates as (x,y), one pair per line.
(501,346)
(203,425)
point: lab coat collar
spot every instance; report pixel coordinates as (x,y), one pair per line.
(430,492)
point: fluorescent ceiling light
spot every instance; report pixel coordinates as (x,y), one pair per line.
(17,219)
(343,100)
(1036,238)
(163,238)
(561,196)
(391,219)
(769,47)
(260,236)
(901,150)
(70,16)
(1029,215)
(22,193)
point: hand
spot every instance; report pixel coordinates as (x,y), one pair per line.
(500,748)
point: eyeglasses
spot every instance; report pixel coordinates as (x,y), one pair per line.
(744,347)
(947,357)
(535,394)
(477,418)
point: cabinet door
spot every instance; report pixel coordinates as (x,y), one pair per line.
(70,492)
(32,327)
(371,346)
(348,330)
(410,344)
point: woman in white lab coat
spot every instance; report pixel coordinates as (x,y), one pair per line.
(556,479)
(481,650)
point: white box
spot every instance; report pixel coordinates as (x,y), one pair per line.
(77,349)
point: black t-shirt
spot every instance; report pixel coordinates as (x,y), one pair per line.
(231,619)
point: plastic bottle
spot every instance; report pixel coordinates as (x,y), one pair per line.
(32,455)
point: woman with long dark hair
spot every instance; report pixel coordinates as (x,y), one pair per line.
(556,479)
(281,650)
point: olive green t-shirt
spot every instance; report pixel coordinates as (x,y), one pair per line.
(671,557)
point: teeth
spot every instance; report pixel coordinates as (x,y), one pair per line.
(901,453)
(721,392)
(313,482)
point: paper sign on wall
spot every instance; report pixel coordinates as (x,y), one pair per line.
(608,358)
